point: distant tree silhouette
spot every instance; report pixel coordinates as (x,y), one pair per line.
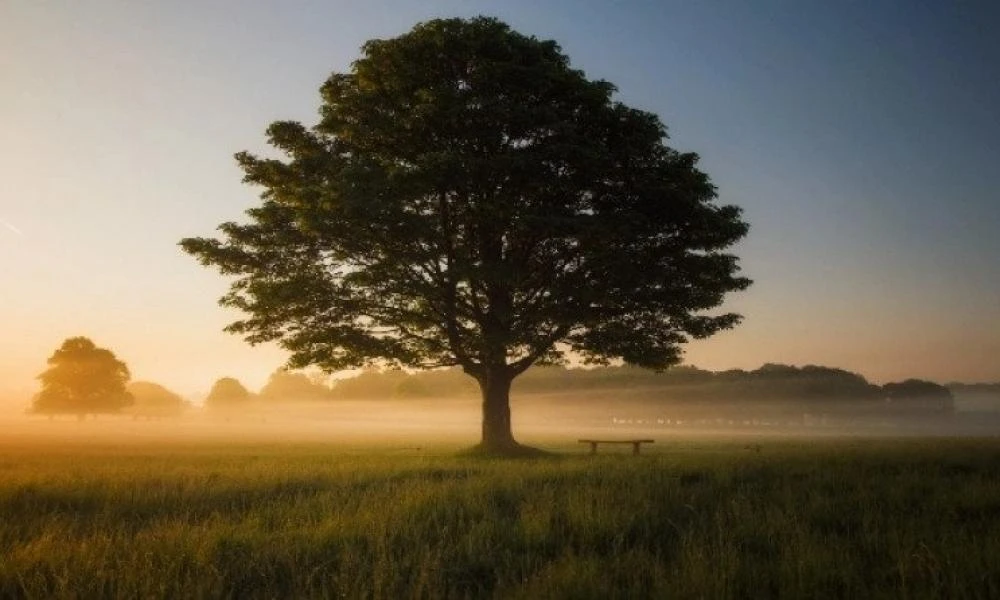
(468,199)
(289,385)
(976,396)
(412,387)
(152,400)
(83,379)
(815,385)
(371,384)
(918,393)
(980,388)
(227,392)
(810,383)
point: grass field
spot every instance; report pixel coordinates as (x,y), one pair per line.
(691,519)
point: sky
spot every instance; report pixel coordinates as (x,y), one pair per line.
(862,140)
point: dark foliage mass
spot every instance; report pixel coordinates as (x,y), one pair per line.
(83,379)
(468,199)
(975,388)
(928,393)
(810,387)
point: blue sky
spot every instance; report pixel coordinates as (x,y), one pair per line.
(861,138)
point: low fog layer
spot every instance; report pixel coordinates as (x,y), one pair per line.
(538,418)
(549,405)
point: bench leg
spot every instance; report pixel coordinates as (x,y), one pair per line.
(635,448)
(593,448)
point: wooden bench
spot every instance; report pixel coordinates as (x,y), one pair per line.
(635,444)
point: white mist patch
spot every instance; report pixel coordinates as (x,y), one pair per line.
(10,226)
(418,425)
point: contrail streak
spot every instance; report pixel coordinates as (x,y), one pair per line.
(12,228)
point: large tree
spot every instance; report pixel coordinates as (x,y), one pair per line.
(467,198)
(83,379)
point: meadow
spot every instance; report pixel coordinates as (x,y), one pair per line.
(690,518)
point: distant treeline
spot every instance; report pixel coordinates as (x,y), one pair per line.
(771,383)
(84,379)
(775,384)
(991,389)
(782,388)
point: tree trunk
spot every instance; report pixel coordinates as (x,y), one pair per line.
(497,434)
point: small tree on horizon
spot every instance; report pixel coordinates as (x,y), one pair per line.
(152,400)
(468,199)
(227,392)
(288,385)
(82,379)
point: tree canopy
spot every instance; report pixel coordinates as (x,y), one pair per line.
(468,199)
(227,392)
(152,400)
(929,393)
(288,385)
(83,379)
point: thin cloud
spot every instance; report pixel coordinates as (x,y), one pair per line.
(10,226)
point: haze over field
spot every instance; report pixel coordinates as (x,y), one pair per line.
(395,411)
(531,344)
(859,138)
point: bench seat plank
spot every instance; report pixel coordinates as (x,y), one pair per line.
(635,444)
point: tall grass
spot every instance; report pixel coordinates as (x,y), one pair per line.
(695,519)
